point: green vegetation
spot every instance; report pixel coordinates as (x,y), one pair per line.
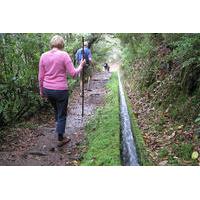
(163,152)
(183,150)
(18,76)
(161,74)
(20,53)
(167,66)
(103,132)
(173,161)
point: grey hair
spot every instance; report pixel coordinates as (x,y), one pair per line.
(57,41)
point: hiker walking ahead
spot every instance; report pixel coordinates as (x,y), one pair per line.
(88,67)
(54,66)
(106,67)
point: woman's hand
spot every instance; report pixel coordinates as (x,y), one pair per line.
(83,62)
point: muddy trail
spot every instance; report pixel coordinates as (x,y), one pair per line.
(36,144)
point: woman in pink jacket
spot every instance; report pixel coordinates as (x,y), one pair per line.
(54,66)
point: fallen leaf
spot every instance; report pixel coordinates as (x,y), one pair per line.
(180,127)
(162,163)
(195,155)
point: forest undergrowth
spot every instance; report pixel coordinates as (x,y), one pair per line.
(162,81)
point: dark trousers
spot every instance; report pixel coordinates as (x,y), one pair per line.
(59,101)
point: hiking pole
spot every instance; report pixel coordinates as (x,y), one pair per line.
(83,53)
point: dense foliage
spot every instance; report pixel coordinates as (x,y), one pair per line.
(162,79)
(19,57)
(167,66)
(19,65)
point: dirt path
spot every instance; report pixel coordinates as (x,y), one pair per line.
(37,146)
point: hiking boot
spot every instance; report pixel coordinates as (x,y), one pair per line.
(63,140)
(60,137)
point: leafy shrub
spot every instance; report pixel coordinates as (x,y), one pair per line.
(170,69)
(20,55)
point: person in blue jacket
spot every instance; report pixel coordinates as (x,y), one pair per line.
(88,67)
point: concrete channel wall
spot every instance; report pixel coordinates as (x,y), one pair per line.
(129,155)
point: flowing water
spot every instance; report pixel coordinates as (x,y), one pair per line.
(129,155)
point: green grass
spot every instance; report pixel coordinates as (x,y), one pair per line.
(103,132)
(163,153)
(173,161)
(183,151)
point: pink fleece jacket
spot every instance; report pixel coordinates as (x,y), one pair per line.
(54,66)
